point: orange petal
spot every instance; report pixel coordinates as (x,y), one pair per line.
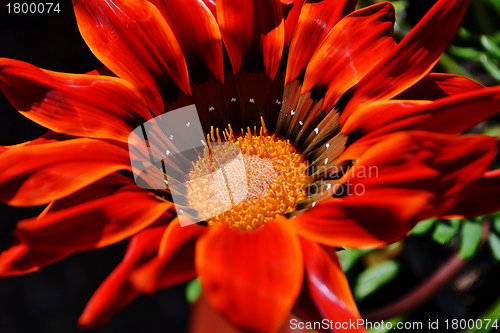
(117,291)
(316,20)
(252,277)
(413,57)
(197,32)
(133,40)
(79,105)
(439,85)
(19,259)
(399,181)
(353,47)
(291,12)
(483,199)
(377,217)
(253,33)
(175,261)
(329,288)
(451,115)
(37,174)
(93,224)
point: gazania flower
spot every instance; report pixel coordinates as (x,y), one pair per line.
(366,139)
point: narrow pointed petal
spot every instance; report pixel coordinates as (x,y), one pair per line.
(197,32)
(93,224)
(174,262)
(252,278)
(316,20)
(37,174)
(399,181)
(438,85)
(117,291)
(79,105)
(483,199)
(253,33)
(413,57)
(353,47)
(133,40)
(19,259)
(328,286)
(451,115)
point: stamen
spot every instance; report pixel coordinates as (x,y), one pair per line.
(275,174)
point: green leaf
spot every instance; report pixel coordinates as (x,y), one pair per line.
(490,67)
(446,230)
(470,239)
(494,242)
(465,34)
(193,290)
(464,52)
(374,277)
(496,223)
(348,257)
(423,226)
(490,46)
(489,318)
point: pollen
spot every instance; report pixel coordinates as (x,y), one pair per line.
(265,180)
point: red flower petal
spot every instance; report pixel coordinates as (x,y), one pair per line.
(37,174)
(413,57)
(79,105)
(316,20)
(438,85)
(399,181)
(133,40)
(353,47)
(451,115)
(253,33)
(19,259)
(329,288)
(117,291)
(197,32)
(93,224)
(483,199)
(252,278)
(175,260)
(377,217)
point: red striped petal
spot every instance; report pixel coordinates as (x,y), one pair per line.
(175,261)
(353,47)
(117,291)
(413,57)
(253,33)
(252,278)
(316,20)
(451,115)
(197,32)
(93,224)
(329,288)
(399,181)
(79,105)
(133,40)
(483,199)
(439,85)
(37,174)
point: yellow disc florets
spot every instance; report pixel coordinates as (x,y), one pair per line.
(274,177)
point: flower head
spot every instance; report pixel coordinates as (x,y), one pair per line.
(362,140)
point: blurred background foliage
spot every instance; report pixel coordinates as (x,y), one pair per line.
(54,297)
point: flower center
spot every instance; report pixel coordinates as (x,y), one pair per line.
(273,174)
